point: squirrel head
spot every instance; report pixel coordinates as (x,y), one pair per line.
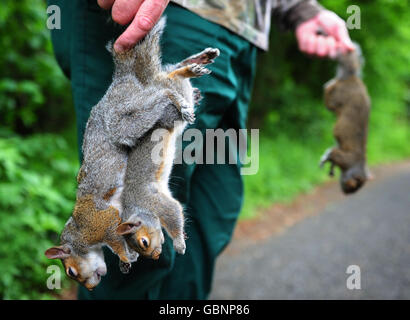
(145,237)
(86,269)
(354,178)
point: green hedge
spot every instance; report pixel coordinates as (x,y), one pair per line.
(37,165)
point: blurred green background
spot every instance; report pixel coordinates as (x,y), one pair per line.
(38,151)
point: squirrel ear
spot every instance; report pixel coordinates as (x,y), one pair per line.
(60,252)
(128,227)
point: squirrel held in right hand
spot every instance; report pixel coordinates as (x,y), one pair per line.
(347,96)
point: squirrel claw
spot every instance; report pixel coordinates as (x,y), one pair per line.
(188,114)
(208,55)
(125,267)
(197,96)
(198,70)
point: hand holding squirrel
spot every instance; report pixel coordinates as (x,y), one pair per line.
(141,14)
(334,40)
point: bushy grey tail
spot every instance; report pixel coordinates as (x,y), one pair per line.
(148,53)
(351,63)
(123,61)
(144,60)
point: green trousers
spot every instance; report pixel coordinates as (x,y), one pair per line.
(211,194)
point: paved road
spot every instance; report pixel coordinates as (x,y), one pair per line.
(370,229)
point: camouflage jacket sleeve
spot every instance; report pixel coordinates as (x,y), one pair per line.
(288,14)
(251,19)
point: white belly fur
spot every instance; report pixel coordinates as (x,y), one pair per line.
(168,159)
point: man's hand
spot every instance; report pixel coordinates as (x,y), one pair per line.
(324,35)
(143,14)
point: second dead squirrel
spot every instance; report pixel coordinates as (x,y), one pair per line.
(346,95)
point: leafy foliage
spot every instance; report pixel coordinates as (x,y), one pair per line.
(29,76)
(37,169)
(37,190)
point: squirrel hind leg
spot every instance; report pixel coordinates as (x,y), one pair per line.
(171,215)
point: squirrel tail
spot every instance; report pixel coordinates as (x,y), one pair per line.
(143,60)
(351,63)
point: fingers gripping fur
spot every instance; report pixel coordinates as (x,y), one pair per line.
(123,62)
(350,64)
(144,60)
(148,53)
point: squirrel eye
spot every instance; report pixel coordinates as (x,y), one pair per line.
(144,243)
(71,272)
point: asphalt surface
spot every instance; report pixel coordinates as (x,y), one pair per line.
(370,229)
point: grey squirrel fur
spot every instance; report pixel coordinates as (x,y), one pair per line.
(346,95)
(146,196)
(143,96)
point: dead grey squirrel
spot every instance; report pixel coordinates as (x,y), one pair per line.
(142,96)
(346,95)
(146,197)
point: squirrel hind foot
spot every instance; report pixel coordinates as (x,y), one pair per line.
(198,70)
(207,56)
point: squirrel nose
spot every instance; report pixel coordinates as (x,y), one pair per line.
(101,271)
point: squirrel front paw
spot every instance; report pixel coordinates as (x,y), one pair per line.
(179,245)
(197,96)
(188,113)
(125,267)
(325,157)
